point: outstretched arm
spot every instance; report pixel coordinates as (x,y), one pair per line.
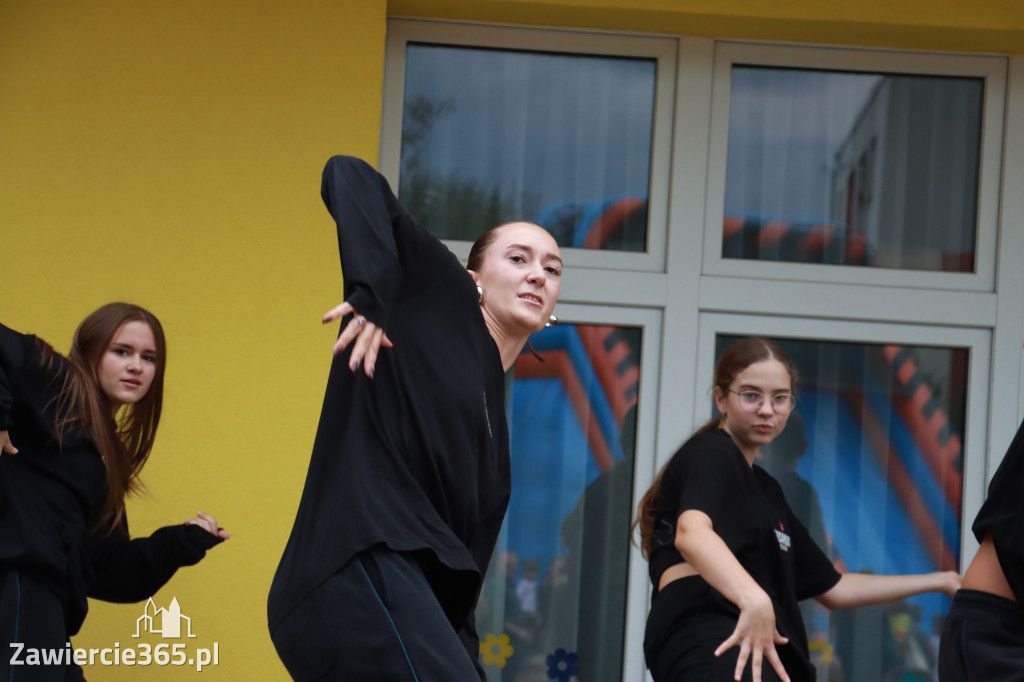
(863,589)
(382,248)
(755,631)
(125,570)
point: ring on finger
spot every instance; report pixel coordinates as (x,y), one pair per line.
(360,320)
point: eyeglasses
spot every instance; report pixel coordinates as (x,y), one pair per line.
(782,403)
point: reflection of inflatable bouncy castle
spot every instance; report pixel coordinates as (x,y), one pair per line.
(567,416)
(785,240)
(572,431)
(884,458)
(615,224)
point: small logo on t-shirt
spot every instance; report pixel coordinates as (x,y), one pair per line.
(784,540)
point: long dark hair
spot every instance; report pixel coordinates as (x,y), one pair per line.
(736,358)
(124,442)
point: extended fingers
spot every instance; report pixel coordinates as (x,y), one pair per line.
(776,662)
(741,663)
(6,445)
(209,524)
(336,312)
(372,348)
(352,330)
(727,644)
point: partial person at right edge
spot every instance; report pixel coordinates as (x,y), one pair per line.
(983,634)
(729,560)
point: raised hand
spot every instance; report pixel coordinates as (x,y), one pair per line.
(368,338)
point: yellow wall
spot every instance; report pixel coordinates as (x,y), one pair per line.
(981,26)
(169,154)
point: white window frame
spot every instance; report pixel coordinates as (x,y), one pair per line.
(662,50)
(978,342)
(993,70)
(683,293)
(649,320)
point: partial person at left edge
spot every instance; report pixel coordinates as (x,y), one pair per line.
(74,435)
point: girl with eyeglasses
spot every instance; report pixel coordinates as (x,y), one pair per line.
(729,561)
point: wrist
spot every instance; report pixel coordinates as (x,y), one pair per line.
(754,598)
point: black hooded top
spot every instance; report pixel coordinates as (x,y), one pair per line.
(52,493)
(416,458)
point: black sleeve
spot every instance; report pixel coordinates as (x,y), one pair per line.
(125,570)
(382,246)
(707,481)
(12,356)
(813,572)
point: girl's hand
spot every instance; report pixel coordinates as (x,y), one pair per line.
(6,446)
(949,582)
(756,635)
(368,336)
(209,524)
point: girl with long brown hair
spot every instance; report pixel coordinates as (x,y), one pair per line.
(74,435)
(729,561)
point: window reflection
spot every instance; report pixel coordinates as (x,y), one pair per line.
(853,168)
(556,586)
(495,135)
(871,462)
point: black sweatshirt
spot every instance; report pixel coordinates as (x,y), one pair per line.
(51,497)
(416,458)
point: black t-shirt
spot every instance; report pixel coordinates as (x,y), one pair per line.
(749,512)
(418,457)
(1002,515)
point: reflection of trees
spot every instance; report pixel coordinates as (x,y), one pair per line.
(450,206)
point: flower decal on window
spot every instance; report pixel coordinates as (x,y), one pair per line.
(496,650)
(562,666)
(820,644)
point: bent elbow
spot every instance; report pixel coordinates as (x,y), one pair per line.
(690,529)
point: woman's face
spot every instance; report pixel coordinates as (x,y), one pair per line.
(128,365)
(752,426)
(521,277)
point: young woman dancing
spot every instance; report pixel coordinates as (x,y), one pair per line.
(409,477)
(729,560)
(74,435)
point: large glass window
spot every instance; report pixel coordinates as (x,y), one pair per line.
(853,168)
(495,135)
(871,461)
(554,599)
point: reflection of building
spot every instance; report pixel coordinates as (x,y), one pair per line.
(906,175)
(165,622)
